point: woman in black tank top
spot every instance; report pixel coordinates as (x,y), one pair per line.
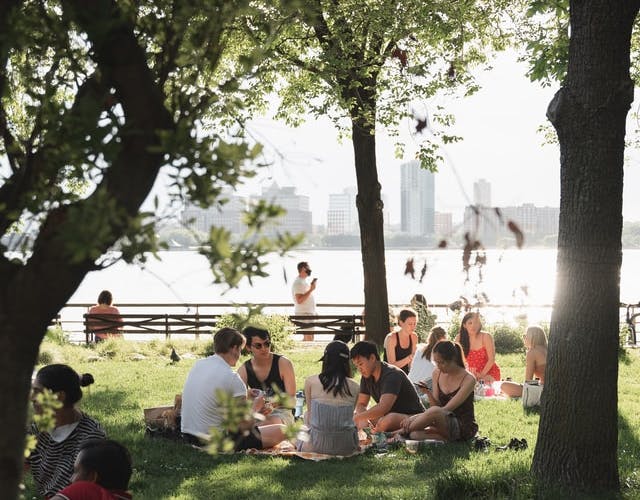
(400,346)
(270,373)
(451,415)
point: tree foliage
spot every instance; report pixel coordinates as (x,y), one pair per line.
(328,55)
(96,100)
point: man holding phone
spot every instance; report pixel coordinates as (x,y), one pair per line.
(304,302)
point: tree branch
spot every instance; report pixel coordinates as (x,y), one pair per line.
(38,167)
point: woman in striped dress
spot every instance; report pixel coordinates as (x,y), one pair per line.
(52,460)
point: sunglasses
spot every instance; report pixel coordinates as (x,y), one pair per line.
(259,345)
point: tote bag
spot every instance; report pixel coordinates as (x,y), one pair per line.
(531,394)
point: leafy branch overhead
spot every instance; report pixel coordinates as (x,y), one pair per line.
(331,58)
(103,99)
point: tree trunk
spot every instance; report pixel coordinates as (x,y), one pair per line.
(577,435)
(18,351)
(370,216)
(31,294)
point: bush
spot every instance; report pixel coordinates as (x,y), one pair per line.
(507,338)
(57,335)
(454,326)
(426,321)
(45,357)
(278,326)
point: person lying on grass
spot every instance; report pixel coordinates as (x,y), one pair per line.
(390,388)
(102,471)
(208,382)
(451,415)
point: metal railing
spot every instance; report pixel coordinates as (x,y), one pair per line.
(71,320)
(71,317)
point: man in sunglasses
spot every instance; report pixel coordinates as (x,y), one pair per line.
(202,408)
(269,373)
(304,302)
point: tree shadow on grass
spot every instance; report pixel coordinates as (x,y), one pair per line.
(628,456)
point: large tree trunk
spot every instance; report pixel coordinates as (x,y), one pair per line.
(31,294)
(370,215)
(577,435)
(19,341)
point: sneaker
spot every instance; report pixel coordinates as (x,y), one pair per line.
(482,444)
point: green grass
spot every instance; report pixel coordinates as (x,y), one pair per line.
(169,470)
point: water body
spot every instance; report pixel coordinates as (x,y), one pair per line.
(184,277)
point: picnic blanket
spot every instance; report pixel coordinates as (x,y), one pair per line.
(287,449)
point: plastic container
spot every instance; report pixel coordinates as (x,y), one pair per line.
(299,404)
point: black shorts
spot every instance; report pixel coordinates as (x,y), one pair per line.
(240,440)
(248,441)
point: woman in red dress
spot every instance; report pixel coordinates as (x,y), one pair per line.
(478,348)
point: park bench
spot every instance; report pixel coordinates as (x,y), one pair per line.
(345,327)
(164,324)
(348,327)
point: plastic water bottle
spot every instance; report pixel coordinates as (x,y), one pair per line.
(481,388)
(299,404)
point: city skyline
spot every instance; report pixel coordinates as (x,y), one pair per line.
(483,221)
(501,143)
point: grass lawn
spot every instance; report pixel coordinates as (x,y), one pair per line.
(164,469)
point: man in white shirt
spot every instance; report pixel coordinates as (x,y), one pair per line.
(201,409)
(304,302)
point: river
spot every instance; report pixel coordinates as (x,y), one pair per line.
(510,277)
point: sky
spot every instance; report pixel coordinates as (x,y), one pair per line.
(501,144)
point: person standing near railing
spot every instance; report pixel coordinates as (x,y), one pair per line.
(105,329)
(302,291)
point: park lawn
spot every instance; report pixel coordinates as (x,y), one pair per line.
(171,470)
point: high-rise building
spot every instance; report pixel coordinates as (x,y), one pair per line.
(482,193)
(489,224)
(443,224)
(417,198)
(228,216)
(342,215)
(298,216)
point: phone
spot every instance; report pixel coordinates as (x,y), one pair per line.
(423,383)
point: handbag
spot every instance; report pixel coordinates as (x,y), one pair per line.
(531,394)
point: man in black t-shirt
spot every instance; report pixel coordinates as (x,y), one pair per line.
(394,394)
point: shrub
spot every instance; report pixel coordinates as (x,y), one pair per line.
(45,357)
(507,338)
(454,325)
(278,326)
(57,335)
(426,321)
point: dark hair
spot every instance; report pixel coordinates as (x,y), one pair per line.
(58,378)
(420,299)
(464,334)
(450,350)
(365,349)
(336,368)
(436,334)
(226,339)
(252,331)
(109,459)
(105,297)
(405,314)
(303,265)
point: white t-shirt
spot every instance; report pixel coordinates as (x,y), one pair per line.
(300,285)
(200,407)
(421,368)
